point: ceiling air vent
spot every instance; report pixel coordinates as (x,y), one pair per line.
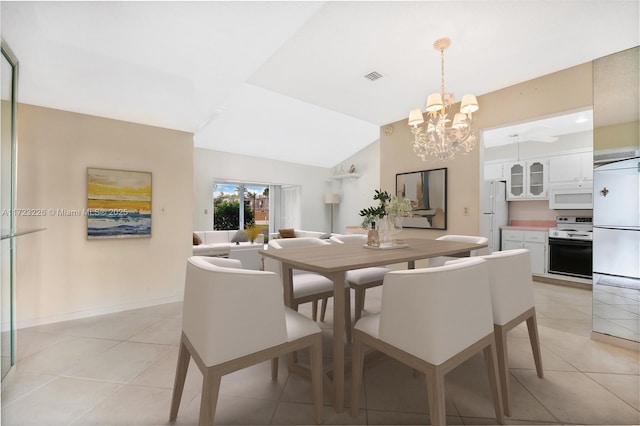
(373,75)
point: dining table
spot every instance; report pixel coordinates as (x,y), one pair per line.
(334,260)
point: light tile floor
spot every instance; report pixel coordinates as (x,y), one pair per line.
(118,369)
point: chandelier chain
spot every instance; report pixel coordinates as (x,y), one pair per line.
(442,73)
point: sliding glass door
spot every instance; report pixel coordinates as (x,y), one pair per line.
(268,207)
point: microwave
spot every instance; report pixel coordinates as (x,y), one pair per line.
(572,196)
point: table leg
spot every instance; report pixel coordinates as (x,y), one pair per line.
(287,283)
(338,338)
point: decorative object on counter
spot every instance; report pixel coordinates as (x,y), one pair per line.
(440,138)
(388,214)
(427,192)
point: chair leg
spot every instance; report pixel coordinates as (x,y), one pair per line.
(347,313)
(503,365)
(274,368)
(491,361)
(314,310)
(323,310)
(435,393)
(181,374)
(360,292)
(209,399)
(357,358)
(316,377)
(532,326)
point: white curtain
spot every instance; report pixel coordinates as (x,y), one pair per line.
(275,195)
(290,204)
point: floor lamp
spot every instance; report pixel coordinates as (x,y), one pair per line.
(332,199)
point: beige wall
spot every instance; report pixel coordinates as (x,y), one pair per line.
(566,90)
(616,113)
(62,275)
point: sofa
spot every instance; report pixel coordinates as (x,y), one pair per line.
(218,243)
(300,233)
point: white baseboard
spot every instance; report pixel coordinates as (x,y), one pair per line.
(95,312)
(616,341)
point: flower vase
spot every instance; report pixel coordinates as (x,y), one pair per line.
(383,230)
(389,227)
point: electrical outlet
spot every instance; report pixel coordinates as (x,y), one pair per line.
(466,211)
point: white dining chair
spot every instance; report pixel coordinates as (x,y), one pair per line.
(431,319)
(359,279)
(440,260)
(513,302)
(234,318)
(307,286)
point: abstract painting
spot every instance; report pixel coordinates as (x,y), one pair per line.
(427,191)
(118,204)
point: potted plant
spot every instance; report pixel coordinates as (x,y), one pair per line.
(386,214)
(374,213)
(252,232)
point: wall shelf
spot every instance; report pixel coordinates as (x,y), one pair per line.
(345,176)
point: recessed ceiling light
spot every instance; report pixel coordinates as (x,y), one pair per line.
(582,120)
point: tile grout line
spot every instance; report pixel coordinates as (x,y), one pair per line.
(610,391)
(534,397)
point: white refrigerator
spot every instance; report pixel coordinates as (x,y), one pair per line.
(616,223)
(495,213)
(616,249)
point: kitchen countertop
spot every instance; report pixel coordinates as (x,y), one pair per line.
(527,228)
(530,225)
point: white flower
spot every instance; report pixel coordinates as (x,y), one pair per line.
(399,208)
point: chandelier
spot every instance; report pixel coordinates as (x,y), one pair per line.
(439,137)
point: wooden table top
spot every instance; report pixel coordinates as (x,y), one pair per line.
(348,256)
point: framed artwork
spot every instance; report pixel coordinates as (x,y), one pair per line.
(427,190)
(118,204)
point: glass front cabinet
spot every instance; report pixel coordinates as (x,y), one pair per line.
(527,180)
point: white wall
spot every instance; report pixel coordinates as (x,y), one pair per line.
(209,165)
(60,274)
(357,194)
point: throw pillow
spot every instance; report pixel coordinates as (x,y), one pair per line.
(287,233)
(240,237)
(196,240)
(325,236)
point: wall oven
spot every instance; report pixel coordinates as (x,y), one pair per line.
(571,247)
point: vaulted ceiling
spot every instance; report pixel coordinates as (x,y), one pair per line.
(286,80)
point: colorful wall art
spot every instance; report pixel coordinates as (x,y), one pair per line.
(118,204)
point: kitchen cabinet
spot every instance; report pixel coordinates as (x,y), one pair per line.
(571,168)
(534,241)
(527,180)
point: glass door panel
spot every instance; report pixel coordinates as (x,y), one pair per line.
(516,183)
(8,77)
(536,178)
